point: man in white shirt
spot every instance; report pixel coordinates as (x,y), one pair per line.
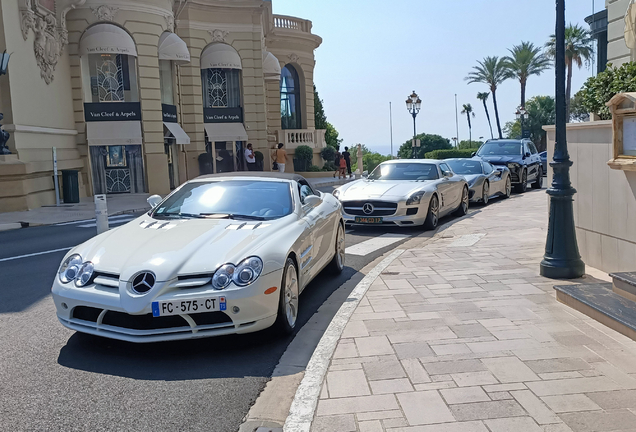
(250,159)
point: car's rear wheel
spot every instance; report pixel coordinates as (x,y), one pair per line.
(508,189)
(288,302)
(337,263)
(432,218)
(523,186)
(485,197)
(539,183)
(463,206)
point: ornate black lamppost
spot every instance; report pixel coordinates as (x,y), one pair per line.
(561,259)
(413,104)
(4,135)
(522,116)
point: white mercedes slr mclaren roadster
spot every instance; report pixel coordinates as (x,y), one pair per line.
(222,254)
(405,193)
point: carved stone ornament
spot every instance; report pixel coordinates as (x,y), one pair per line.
(170,23)
(49,28)
(293,58)
(218,35)
(105,12)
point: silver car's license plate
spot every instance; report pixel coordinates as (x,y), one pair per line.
(190,306)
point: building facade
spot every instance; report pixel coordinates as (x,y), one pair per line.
(141,95)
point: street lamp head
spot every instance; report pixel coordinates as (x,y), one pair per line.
(409,104)
(418,104)
(4,62)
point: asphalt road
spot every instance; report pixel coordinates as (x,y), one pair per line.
(54,379)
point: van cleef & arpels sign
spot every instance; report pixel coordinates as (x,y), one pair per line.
(112,111)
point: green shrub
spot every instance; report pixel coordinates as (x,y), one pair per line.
(313,168)
(328,153)
(453,153)
(329,166)
(598,90)
(304,153)
(259,156)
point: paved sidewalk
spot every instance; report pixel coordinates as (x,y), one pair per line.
(463,335)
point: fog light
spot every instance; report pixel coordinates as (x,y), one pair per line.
(236,309)
(64,306)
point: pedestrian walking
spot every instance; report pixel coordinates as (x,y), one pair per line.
(280,158)
(250,158)
(336,160)
(347,157)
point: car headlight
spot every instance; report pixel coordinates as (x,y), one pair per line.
(336,193)
(85,274)
(70,268)
(242,275)
(513,166)
(415,198)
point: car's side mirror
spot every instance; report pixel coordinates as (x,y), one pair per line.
(447,173)
(473,154)
(154,200)
(528,154)
(313,201)
(365,174)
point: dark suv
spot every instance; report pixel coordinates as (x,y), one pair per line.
(520,156)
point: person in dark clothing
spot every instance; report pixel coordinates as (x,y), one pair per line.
(347,157)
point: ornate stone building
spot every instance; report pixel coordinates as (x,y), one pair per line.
(141,95)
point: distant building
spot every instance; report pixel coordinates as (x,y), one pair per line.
(598,28)
(141,95)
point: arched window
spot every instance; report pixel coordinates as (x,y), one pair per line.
(290,98)
(221,77)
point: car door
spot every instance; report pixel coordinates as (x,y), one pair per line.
(530,165)
(318,219)
(494,178)
(536,158)
(448,188)
(306,250)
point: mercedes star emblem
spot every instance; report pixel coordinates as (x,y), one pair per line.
(143,282)
(367,208)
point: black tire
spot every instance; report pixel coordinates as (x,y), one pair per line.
(539,183)
(283,325)
(462,210)
(432,217)
(508,188)
(485,193)
(523,186)
(337,263)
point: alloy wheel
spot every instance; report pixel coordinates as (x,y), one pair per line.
(291,295)
(465,200)
(340,246)
(434,210)
(486,193)
(508,188)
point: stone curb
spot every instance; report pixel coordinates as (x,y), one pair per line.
(303,407)
(17,225)
(10,226)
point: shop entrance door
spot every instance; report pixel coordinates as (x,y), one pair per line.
(170,147)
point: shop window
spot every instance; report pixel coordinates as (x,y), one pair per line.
(113,78)
(221,88)
(166,79)
(290,99)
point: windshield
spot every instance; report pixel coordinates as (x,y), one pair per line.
(404,171)
(248,199)
(466,166)
(500,148)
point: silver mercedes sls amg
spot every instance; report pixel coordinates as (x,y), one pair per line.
(484,179)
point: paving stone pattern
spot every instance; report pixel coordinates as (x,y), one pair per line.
(455,338)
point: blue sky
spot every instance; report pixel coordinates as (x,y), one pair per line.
(375,52)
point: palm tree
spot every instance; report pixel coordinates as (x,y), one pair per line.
(468,110)
(578,49)
(492,72)
(483,96)
(524,61)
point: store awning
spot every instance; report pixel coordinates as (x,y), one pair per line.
(113,133)
(225,132)
(630,25)
(107,39)
(271,67)
(220,56)
(177,132)
(172,47)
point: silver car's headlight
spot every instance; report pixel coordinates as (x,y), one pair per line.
(85,274)
(223,276)
(415,198)
(248,271)
(336,193)
(70,268)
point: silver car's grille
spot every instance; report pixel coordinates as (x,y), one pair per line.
(369,208)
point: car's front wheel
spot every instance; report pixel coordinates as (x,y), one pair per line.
(539,183)
(337,263)
(485,193)
(523,185)
(432,218)
(508,190)
(288,301)
(463,206)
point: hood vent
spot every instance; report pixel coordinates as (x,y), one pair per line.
(247,226)
(157,225)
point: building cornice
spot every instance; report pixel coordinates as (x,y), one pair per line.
(38,130)
(206,26)
(127,5)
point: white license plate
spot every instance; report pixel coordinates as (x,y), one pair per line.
(190,306)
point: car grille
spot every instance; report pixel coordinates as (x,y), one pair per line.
(380,208)
(147,322)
